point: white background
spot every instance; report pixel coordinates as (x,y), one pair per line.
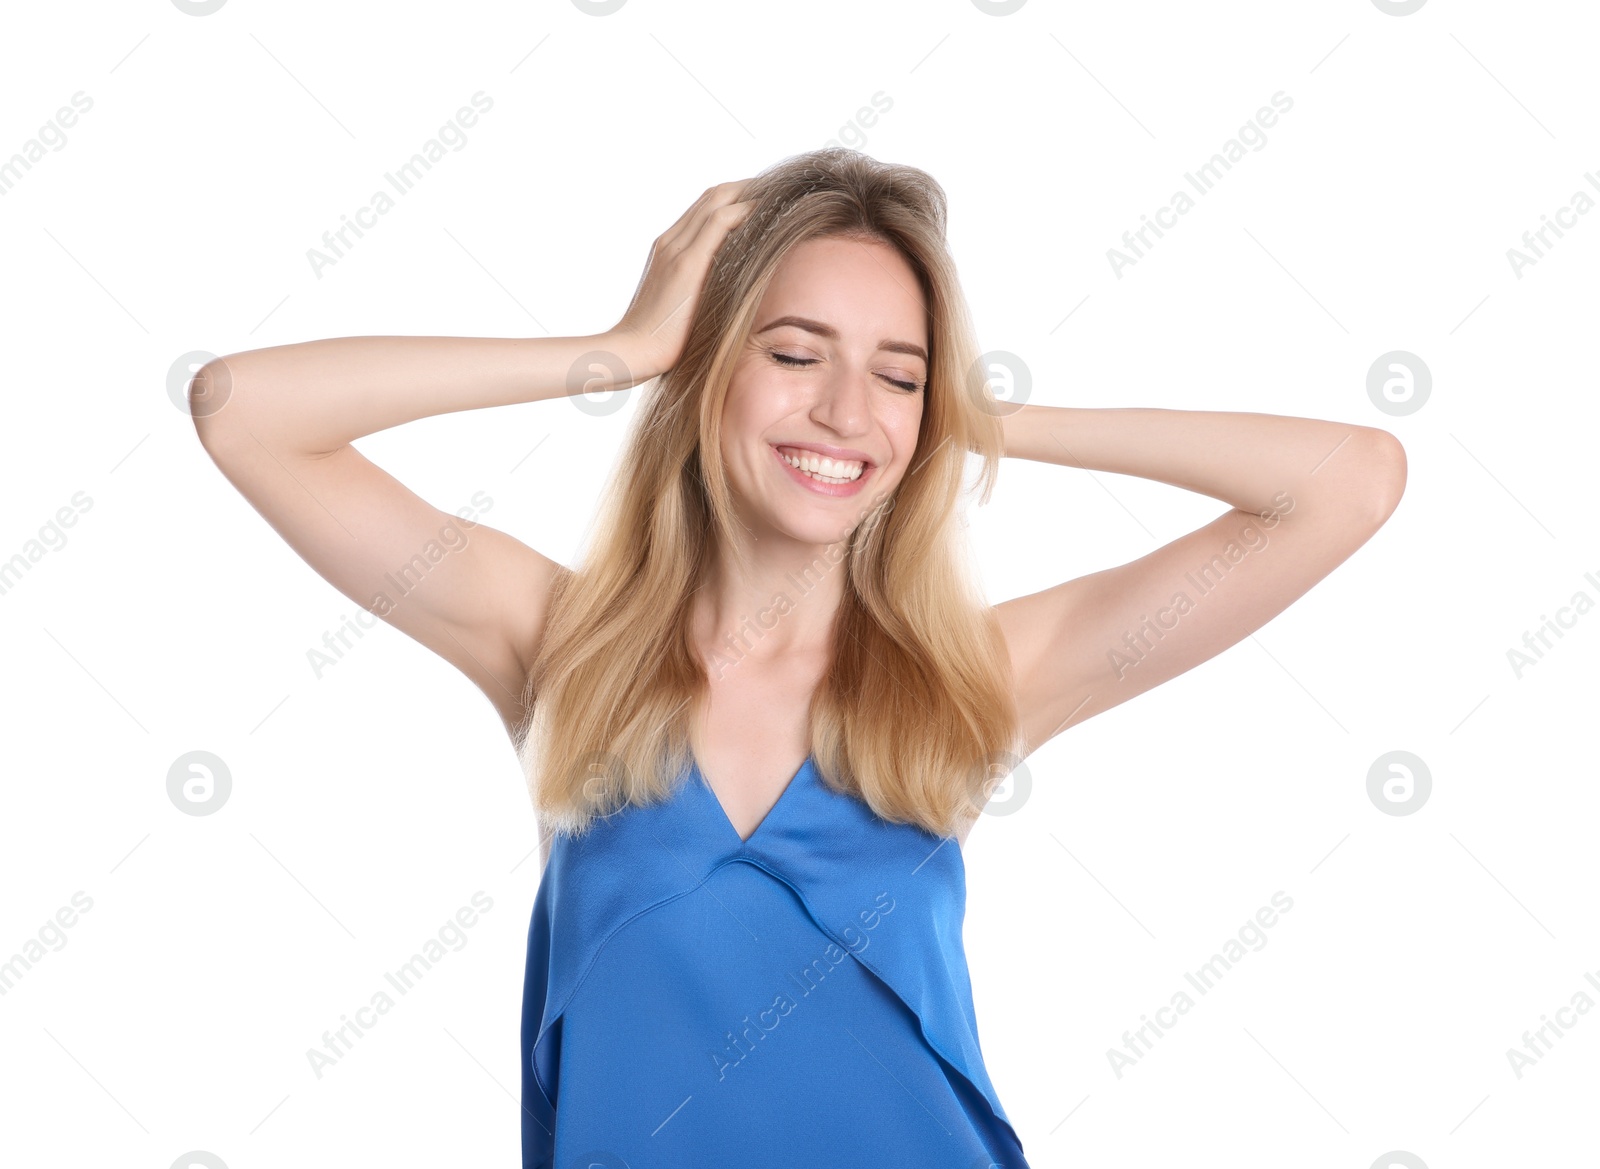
(370,804)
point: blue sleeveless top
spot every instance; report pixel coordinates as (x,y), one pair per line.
(692,998)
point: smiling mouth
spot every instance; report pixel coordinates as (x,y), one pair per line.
(834,472)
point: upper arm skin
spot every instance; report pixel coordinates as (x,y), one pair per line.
(472,594)
(1086,645)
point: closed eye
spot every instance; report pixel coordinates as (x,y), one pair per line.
(792,362)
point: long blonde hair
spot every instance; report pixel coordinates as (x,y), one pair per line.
(916,711)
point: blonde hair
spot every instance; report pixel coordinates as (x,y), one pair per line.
(916,711)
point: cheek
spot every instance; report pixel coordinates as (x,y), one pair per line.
(903,427)
(735,412)
(743,425)
(756,405)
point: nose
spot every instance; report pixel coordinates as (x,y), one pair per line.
(844,400)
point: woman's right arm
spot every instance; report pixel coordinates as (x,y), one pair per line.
(278,423)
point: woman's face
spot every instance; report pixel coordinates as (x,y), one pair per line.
(836,367)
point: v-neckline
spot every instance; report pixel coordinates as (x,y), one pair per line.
(722,813)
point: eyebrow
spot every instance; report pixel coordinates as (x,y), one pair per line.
(823,329)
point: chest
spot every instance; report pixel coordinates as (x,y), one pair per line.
(751,735)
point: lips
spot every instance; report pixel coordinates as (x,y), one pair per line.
(817,486)
(824,450)
(823,466)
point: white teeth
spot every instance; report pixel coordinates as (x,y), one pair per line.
(826,469)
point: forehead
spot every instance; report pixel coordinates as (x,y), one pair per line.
(859,287)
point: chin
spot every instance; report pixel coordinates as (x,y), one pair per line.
(814,530)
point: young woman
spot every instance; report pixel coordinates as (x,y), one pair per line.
(761,717)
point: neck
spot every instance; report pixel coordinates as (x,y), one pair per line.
(780,604)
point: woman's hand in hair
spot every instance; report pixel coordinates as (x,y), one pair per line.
(652,332)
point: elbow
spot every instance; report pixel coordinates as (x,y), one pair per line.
(208,394)
(1386,474)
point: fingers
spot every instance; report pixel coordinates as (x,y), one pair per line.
(691,222)
(718,222)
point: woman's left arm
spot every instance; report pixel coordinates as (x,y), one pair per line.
(1304,495)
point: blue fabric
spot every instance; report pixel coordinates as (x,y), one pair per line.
(798,999)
